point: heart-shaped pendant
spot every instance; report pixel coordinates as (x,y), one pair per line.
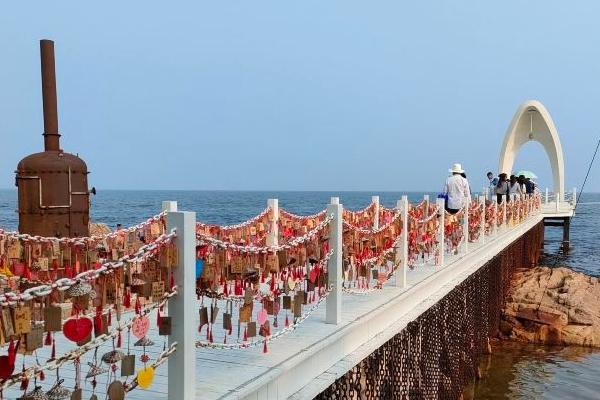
(140,326)
(262,316)
(77,329)
(145,377)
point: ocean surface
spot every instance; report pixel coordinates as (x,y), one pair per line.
(512,372)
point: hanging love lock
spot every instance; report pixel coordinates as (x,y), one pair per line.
(77,329)
(116,391)
(262,316)
(145,377)
(140,326)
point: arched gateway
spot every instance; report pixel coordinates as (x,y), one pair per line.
(533,122)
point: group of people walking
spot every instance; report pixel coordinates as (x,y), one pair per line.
(505,188)
(457,191)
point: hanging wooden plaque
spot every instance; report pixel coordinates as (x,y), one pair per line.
(164,326)
(7,323)
(128,365)
(34,339)
(251,329)
(246,313)
(22,320)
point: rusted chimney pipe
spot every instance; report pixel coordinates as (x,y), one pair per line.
(51,135)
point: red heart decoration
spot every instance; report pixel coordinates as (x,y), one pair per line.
(77,329)
(140,326)
(6,367)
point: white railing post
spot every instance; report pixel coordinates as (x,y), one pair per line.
(441,238)
(402,246)
(375,199)
(504,205)
(482,222)
(547,196)
(182,307)
(574,201)
(273,235)
(333,309)
(466,226)
(495,227)
(169,206)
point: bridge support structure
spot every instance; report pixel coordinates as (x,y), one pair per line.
(420,361)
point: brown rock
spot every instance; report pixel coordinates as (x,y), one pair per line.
(98,229)
(553,306)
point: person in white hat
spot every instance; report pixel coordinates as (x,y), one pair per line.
(456,189)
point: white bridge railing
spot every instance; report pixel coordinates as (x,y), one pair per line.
(553,203)
(182,365)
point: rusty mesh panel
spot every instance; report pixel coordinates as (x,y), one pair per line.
(436,355)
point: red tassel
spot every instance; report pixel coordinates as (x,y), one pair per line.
(245,334)
(172,283)
(53,353)
(11,353)
(231,329)
(48,340)
(287,321)
(211,336)
(225,291)
(26,273)
(98,322)
(208,332)
(109,318)
(265,347)
(138,305)
(24,381)
(127,299)
(158,318)
(200,328)
(42,375)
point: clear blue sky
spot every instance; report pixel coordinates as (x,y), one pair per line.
(310,95)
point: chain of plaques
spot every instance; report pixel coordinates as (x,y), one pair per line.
(67,291)
(422,233)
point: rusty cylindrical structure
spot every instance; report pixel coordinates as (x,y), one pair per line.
(52,185)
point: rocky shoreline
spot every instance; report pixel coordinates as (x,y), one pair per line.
(553,306)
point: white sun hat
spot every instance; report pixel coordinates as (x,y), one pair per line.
(456,169)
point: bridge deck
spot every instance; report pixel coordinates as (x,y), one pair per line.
(565,210)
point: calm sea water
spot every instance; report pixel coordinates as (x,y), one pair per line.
(512,372)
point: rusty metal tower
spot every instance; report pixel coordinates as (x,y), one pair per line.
(52,185)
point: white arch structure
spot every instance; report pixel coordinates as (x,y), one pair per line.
(532,121)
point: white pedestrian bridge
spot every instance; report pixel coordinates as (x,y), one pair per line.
(419,335)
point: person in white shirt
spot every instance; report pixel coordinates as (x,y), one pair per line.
(493,181)
(457,190)
(501,189)
(514,187)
